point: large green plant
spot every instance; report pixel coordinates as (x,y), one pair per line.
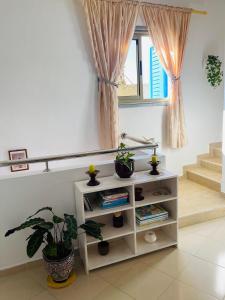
(57,234)
(214,72)
(123,156)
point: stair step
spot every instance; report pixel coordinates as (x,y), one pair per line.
(216,150)
(205,176)
(213,163)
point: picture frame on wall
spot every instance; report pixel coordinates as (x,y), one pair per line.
(19,154)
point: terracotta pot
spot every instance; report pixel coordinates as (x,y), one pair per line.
(61,269)
(123,171)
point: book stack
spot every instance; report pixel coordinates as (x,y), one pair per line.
(150,214)
(113,198)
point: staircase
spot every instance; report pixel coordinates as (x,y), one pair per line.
(208,170)
(200,189)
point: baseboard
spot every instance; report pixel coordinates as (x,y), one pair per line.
(26,266)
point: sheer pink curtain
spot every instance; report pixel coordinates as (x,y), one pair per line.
(168,28)
(111,26)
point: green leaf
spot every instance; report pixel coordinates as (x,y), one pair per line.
(24,225)
(46,225)
(93,228)
(50,239)
(50,250)
(41,209)
(35,242)
(57,219)
(71,224)
(67,239)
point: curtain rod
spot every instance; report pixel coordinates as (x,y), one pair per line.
(194,11)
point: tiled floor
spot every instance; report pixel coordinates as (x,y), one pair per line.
(193,271)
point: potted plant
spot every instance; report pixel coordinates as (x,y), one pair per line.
(57,236)
(124,164)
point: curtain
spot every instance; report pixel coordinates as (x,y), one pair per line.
(111,26)
(168,28)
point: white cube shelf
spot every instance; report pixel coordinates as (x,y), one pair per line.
(128,241)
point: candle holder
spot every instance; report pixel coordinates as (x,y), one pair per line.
(93,181)
(154,170)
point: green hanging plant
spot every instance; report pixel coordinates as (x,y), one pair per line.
(214,70)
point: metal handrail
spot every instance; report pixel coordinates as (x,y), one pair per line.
(47,159)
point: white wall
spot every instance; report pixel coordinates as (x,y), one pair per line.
(202,104)
(48,100)
(48,90)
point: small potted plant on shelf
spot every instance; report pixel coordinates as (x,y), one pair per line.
(124,164)
(57,235)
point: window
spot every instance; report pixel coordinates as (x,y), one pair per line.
(143,79)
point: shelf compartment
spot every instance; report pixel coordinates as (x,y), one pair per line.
(165,238)
(109,232)
(120,249)
(98,211)
(148,188)
(155,225)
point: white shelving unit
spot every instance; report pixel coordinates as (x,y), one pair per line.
(128,241)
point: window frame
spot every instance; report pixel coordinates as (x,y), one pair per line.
(139,99)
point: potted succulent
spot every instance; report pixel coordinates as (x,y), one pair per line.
(124,164)
(57,235)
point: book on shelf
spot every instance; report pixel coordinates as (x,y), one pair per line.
(149,221)
(150,211)
(113,198)
(150,214)
(106,199)
(88,203)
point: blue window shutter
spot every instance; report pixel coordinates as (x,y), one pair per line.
(158,77)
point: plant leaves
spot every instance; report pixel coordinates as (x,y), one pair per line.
(71,224)
(57,219)
(35,241)
(50,250)
(41,209)
(50,239)
(24,225)
(93,228)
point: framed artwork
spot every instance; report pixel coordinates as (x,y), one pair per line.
(17,155)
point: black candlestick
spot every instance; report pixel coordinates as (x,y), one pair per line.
(154,170)
(93,181)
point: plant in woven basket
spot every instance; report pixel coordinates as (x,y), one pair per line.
(214,70)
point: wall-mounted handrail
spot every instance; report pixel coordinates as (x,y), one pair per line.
(47,159)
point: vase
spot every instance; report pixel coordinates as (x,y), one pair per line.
(60,269)
(124,171)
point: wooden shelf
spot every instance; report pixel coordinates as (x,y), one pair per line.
(150,199)
(119,250)
(100,211)
(155,225)
(109,232)
(128,241)
(163,241)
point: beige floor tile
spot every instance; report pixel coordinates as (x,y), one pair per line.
(190,243)
(172,262)
(112,293)
(213,251)
(86,287)
(43,296)
(115,271)
(204,276)
(143,282)
(19,286)
(179,291)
